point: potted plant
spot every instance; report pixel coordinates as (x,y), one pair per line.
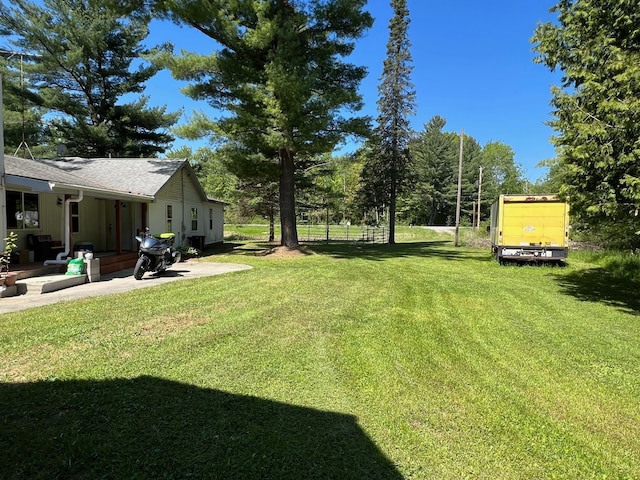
(10,245)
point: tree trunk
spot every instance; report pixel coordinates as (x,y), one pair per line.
(392,214)
(289,233)
(393,194)
(272,227)
(432,214)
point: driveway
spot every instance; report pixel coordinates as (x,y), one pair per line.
(119,282)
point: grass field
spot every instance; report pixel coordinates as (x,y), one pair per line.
(416,360)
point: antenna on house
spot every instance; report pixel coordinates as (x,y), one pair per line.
(8,54)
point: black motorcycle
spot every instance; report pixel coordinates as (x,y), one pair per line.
(155,254)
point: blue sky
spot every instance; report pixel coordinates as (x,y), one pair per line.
(472,65)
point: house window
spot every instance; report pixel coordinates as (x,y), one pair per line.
(22,210)
(211,219)
(194,218)
(169,218)
(75,217)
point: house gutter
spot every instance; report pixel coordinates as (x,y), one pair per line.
(62,257)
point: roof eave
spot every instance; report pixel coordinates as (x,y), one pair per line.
(33,184)
(43,186)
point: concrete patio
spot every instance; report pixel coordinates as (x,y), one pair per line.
(35,291)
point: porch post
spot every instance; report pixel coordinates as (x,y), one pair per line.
(69,225)
(144,216)
(118,229)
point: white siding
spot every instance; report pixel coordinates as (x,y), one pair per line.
(157,217)
(96,216)
(216,233)
(49,218)
(183,195)
(92,223)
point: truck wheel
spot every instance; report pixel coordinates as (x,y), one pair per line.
(141,266)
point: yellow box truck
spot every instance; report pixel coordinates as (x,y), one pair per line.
(527,228)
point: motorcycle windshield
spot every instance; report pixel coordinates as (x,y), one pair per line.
(150,242)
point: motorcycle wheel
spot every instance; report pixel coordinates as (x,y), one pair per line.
(141,266)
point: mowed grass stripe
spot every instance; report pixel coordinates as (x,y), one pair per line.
(453,365)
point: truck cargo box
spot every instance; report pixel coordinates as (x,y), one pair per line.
(530,228)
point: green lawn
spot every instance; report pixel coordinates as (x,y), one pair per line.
(417,360)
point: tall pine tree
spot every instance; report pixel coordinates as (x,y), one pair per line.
(387,166)
(433,168)
(279,77)
(83,65)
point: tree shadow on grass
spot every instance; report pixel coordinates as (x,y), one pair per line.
(599,285)
(154,428)
(437,248)
(228,247)
(359,250)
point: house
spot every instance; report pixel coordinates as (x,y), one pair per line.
(101,204)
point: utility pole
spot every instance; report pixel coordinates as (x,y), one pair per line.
(459,189)
(479,194)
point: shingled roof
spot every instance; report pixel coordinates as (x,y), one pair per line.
(134,176)
(39,170)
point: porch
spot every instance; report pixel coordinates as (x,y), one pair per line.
(38,278)
(109,262)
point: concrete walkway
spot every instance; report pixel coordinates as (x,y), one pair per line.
(119,282)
